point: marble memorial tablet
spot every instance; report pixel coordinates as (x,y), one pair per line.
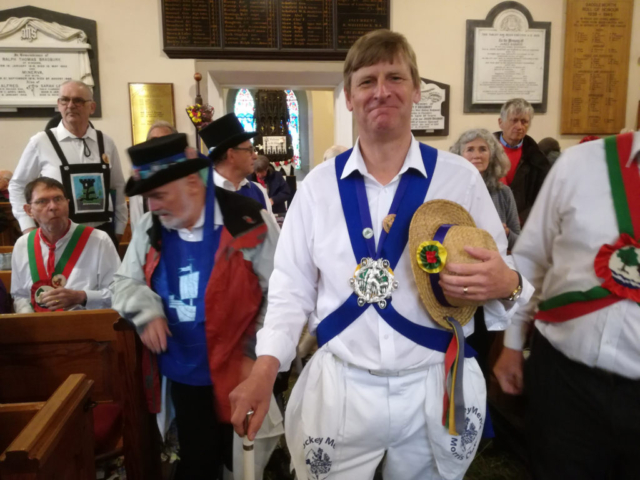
(507,57)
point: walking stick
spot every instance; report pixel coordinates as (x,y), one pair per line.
(247,447)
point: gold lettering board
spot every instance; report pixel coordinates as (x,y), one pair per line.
(149,103)
(596,66)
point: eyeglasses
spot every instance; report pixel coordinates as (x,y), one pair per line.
(250,149)
(75,100)
(43,202)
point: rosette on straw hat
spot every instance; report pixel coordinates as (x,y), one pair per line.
(439,231)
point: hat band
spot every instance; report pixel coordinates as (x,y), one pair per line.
(434,278)
(149,169)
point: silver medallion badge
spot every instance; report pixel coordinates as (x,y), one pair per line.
(373,282)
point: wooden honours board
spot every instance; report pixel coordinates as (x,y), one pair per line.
(268,29)
(596,66)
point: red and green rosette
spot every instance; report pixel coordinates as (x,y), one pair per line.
(432,256)
(619,266)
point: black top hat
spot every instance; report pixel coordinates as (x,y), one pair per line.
(223,134)
(159,161)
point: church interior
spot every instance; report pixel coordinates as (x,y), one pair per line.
(74,400)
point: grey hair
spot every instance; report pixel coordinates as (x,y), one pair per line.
(161,124)
(333,151)
(516,106)
(261,164)
(79,83)
(499,163)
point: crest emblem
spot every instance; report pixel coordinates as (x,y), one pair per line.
(318,464)
(619,266)
(373,282)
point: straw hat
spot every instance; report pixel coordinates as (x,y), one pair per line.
(422,249)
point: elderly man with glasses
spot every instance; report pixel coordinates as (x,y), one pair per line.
(83,159)
(233,155)
(61,265)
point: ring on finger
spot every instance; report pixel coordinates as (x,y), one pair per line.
(465,290)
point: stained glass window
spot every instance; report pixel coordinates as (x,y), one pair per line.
(244,109)
(294,125)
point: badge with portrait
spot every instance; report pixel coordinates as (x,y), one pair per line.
(88,188)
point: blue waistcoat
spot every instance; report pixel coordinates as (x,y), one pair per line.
(180,279)
(251,190)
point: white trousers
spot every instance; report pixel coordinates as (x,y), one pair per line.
(341,420)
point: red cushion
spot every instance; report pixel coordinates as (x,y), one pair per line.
(107,426)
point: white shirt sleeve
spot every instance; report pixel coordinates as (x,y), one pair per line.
(533,251)
(108,264)
(117,184)
(136,210)
(293,287)
(19,293)
(28,169)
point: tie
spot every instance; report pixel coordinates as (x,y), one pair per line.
(87,151)
(51,261)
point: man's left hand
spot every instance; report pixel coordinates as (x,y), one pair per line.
(63,298)
(488,280)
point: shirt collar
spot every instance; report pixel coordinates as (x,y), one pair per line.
(635,149)
(413,160)
(62,133)
(222,182)
(504,142)
(64,239)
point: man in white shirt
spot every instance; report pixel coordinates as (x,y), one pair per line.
(370,391)
(69,153)
(233,155)
(61,265)
(579,249)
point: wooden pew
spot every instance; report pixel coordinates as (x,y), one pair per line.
(52,439)
(6,248)
(39,351)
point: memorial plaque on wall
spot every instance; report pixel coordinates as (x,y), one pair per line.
(430,117)
(149,103)
(39,50)
(268,29)
(596,66)
(507,56)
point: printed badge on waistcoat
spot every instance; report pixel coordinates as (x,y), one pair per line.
(318,456)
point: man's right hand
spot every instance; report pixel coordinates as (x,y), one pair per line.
(254,394)
(154,335)
(508,371)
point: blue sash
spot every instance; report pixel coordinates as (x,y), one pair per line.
(410,195)
(180,279)
(251,190)
(392,248)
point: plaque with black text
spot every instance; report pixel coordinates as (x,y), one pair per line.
(268,29)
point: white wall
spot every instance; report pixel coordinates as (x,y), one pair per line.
(130,47)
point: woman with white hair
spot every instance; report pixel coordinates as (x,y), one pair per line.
(482,149)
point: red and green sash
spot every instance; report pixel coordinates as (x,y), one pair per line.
(619,264)
(39,275)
